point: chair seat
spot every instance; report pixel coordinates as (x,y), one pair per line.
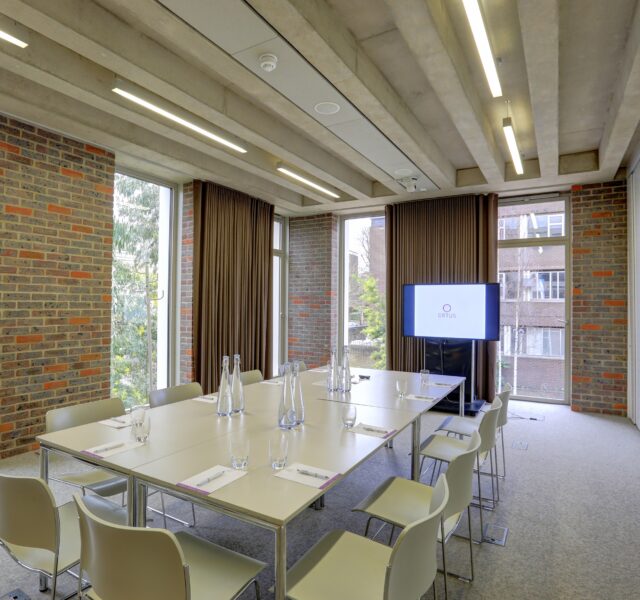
(216,573)
(42,560)
(402,501)
(107,510)
(98,481)
(441,447)
(341,566)
(460,425)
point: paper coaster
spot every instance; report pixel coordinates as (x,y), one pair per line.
(211,480)
(373,430)
(106,450)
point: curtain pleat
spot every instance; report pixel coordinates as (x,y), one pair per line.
(446,240)
(233,238)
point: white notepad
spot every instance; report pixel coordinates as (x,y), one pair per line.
(212,479)
(423,397)
(209,398)
(117,422)
(308,475)
(112,448)
(373,430)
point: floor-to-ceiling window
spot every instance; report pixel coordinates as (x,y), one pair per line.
(141,289)
(364,290)
(279,298)
(532,272)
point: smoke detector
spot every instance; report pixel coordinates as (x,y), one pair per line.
(409,183)
(268,62)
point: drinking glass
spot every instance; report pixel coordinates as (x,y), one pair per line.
(278,450)
(140,424)
(239,450)
(349,415)
(424,377)
(401,386)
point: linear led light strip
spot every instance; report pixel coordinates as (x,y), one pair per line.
(176,119)
(479,31)
(311,184)
(12,40)
(509,134)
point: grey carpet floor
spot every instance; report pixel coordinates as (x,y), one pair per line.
(571,502)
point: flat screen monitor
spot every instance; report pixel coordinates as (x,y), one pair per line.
(468,311)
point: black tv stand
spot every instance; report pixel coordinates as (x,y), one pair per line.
(451,404)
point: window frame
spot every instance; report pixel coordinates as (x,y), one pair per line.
(283,254)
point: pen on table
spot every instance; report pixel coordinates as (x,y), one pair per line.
(117,420)
(107,448)
(210,479)
(375,429)
(312,474)
(424,397)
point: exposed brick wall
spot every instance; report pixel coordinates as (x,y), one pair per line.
(313,288)
(186,287)
(599,308)
(55,262)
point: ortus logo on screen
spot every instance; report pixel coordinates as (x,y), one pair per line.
(446,312)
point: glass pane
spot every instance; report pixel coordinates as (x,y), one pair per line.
(531,220)
(140,289)
(365,289)
(275,315)
(277,234)
(532,316)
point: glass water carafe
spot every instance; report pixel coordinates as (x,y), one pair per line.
(237,391)
(345,373)
(332,372)
(286,410)
(298,400)
(224,391)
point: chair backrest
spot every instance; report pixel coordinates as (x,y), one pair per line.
(81,414)
(177,393)
(249,377)
(130,562)
(460,478)
(504,395)
(413,565)
(28,514)
(488,426)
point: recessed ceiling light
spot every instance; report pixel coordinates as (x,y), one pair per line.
(326,108)
(176,119)
(306,181)
(479,31)
(7,37)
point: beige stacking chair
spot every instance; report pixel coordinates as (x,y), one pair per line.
(40,536)
(146,564)
(343,565)
(400,501)
(99,481)
(443,449)
(249,377)
(177,393)
(169,395)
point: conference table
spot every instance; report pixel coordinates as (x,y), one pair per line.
(188,437)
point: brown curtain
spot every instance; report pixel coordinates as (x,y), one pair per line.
(232,239)
(447,240)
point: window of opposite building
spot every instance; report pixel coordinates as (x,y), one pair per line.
(532,272)
(142,289)
(363,290)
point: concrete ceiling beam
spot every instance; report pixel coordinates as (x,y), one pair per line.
(429,34)
(123,50)
(316,32)
(540,28)
(623,115)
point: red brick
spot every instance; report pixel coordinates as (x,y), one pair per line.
(71,173)
(611,302)
(592,233)
(61,210)
(89,372)
(95,150)
(581,250)
(54,385)
(90,357)
(576,188)
(602,214)
(581,379)
(104,189)
(613,375)
(602,273)
(56,368)
(81,228)
(576,291)
(80,274)
(31,254)
(79,320)
(17,210)
(620,406)
(106,297)
(29,339)
(9,147)
(620,322)
(4,427)
(591,327)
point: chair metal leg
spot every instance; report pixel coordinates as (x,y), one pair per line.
(493,487)
(193,512)
(495,453)
(54,578)
(393,528)
(164,510)
(480,508)
(470,542)
(504,458)
(435,590)
(444,560)
(257,586)
(366,529)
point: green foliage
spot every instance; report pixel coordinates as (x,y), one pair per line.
(374,313)
(134,289)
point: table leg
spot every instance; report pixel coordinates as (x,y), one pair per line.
(140,511)
(415,450)
(44,474)
(462,399)
(281,563)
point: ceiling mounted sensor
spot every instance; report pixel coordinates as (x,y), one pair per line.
(268,62)
(306,181)
(409,183)
(327,108)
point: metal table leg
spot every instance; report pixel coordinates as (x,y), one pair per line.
(44,474)
(281,563)
(415,450)
(140,503)
(462,399)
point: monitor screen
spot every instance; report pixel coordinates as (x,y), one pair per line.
(469,311)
